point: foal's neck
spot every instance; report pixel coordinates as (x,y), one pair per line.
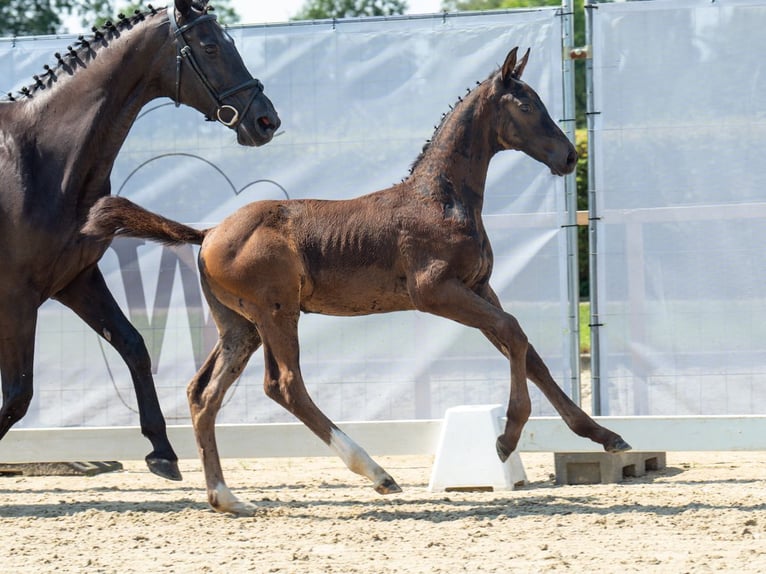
(455,162)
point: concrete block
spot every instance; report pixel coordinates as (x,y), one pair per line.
(604,467)
(466,458)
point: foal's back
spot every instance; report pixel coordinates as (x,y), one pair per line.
(344,257)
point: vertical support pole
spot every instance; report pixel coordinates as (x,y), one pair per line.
(570,190)
(593,218)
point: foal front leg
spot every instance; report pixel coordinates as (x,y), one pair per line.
(573,415)
(453,300)
(575,418)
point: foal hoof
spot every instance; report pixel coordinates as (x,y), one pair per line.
(617,445)
(387,486)
(502,451)
(165,468)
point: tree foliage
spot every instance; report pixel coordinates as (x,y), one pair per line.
(21,17)
(321,9)
(25,18)
(465,5)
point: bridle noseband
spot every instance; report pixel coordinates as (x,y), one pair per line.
(185,53)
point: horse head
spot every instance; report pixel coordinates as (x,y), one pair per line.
(212,78)
(524,124)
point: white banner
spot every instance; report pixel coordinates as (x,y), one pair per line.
(680,91)
(358,99)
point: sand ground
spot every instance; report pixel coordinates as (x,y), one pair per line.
(706,512)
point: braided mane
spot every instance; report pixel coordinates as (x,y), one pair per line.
(438,128)
(83,50)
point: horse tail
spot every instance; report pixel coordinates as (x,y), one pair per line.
(113,216)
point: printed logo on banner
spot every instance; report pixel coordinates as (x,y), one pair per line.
(153,326)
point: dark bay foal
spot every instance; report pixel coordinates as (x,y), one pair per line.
(418,245)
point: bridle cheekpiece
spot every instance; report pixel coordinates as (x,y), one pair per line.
(185,53)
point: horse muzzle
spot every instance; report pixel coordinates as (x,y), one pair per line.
(259,132)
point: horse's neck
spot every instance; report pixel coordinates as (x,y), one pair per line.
(457,159)
(93,106)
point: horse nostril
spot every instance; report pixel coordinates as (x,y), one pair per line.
(265,123)
(572,158)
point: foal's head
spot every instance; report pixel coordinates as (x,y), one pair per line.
(213,78)
(523,122)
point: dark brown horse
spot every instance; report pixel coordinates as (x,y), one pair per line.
(418,245)
(59,139)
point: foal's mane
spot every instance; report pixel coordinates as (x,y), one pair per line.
(445,117)
(84,49)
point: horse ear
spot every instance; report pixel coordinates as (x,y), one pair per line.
(184,6)
(519,69)
(506,72)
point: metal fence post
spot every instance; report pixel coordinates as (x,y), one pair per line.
(595,319)
(570,189)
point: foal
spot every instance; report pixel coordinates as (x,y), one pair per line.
(420,244)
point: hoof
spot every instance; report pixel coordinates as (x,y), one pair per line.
(617,445)
(165,468)
(388,486)
(237,508)
(222,500)
(502,452)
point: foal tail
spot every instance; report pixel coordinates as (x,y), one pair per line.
(113,216)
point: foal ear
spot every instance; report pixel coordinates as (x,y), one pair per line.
(519,69)
(506,72)
(511,69)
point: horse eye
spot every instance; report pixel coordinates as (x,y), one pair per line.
(210,49)
(525,107)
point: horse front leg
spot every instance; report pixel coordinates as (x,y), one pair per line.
(18,320)
(89,297)
(575,418)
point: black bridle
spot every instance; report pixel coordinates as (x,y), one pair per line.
(185,53)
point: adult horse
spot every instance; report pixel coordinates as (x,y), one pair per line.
(58,141)
(420,244)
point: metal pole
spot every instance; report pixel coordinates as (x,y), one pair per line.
(570,191)
(593,217)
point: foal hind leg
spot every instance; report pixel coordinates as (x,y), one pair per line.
(284,384)
(17,343)
(206,392)
(577,420)
(89,297)
(238,340)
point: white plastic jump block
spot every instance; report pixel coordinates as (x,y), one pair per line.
(466,458)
